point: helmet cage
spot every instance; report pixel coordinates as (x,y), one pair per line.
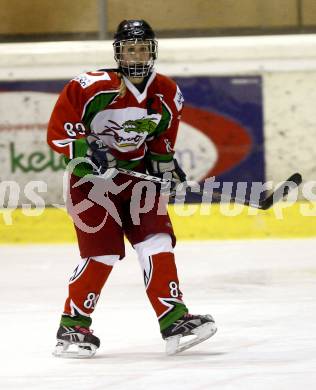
(135,68)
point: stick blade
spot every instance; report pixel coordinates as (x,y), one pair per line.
(282,191)
(296,178)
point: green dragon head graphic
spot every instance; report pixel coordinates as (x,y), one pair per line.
(140,126)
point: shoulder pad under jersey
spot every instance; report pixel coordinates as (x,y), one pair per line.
(89,78)
(170,88)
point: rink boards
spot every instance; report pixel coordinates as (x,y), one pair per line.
(269,76)
(192,222)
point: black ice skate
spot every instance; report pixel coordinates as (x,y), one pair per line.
(202,327)
(75,342)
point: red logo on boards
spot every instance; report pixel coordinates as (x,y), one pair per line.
(232,141)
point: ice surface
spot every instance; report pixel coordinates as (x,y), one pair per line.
(261,293)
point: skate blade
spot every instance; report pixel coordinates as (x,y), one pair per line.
(201,333)
(75,351)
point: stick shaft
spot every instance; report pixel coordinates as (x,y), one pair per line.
(278,194)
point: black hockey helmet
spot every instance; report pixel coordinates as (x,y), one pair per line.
(135,32)
(134,29)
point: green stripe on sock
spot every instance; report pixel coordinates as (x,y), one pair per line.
(80,320)
(177,312)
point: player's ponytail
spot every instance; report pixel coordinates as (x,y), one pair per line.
(122,85)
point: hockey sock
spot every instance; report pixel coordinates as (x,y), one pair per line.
(155,255)
(162,287)
(85,287)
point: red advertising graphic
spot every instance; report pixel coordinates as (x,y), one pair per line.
(233,143)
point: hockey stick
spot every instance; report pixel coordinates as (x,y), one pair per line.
(278,194)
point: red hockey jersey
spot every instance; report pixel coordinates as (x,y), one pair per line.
(131,125)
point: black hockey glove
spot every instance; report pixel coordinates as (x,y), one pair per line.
(159,168)
(100,155)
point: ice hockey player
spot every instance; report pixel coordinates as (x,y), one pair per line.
(127,118)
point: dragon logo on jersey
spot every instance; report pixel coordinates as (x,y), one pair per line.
(142,128)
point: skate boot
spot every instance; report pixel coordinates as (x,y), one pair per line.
(201,327)
(75,342)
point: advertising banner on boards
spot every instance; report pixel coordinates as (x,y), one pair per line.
(221,133)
